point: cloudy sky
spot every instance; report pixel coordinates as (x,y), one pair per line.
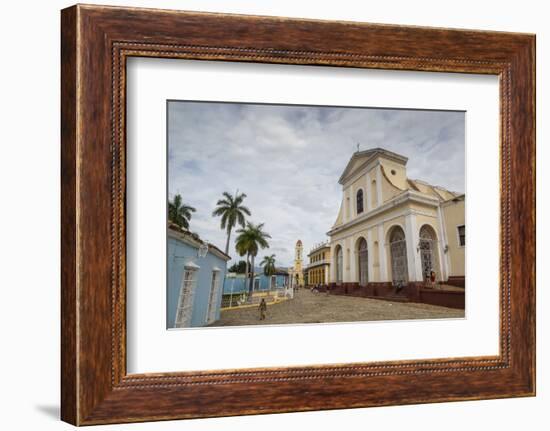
(288,159)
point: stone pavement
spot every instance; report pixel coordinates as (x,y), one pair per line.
(308,307)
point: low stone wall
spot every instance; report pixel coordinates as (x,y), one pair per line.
(374,290)
(444,298)
(412,292)
(456,281)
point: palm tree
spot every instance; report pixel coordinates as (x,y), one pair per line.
(179,213)
(241,245)
(232,211)
(249,241)
(243,251)
(268,263)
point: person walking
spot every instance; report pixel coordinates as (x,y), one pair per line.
(263,309)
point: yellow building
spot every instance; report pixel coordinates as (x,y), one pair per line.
(318,269)
(452,212)
(296,273)
(393,230)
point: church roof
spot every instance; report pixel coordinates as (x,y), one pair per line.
(437,191)
(194,239)
(359,158)
(394,186)
(299,242)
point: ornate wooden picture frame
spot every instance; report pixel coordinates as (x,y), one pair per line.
(96,42)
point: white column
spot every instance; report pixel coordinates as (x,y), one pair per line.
(367,193)
(326,274)
(333,260)
(344,209)
(350,263)
(442,241)
(353,268)
(413,260)
(378,185)
(352,202)
(347,206)
(383,269)
(383,266)
(370,249)
(344,262)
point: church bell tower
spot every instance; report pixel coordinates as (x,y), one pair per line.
(298,261)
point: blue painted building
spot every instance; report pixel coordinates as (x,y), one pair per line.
(238,283)
(196,272)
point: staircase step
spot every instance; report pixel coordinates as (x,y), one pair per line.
(391,298)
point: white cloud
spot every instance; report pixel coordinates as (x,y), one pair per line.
(288,159)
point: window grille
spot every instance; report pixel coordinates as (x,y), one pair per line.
(428,253)
(339,264)
(363,262)
(462,235)
(398,251)
(213,300)
(185,302)
(360,201)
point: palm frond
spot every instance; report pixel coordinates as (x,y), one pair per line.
(228,196)
(218,211)
(180,213)
(245,210)
(184,223)
(224,203)
(188,208)
(240,198)
(223,221)
(240,218)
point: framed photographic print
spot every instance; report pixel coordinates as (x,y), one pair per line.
(331,214)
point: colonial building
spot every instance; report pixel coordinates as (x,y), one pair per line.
(196,270)
(318,268)
(392,231)
(296,273)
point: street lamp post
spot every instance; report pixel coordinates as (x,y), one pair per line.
(231,294)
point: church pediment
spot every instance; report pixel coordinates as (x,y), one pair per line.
(360,159)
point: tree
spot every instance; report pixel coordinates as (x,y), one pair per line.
(268,263)
(232,211)
(250,240)
(238,268)
(179,213)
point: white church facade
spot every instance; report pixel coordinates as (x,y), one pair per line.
(391,231)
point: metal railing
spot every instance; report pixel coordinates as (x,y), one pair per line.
(319,262)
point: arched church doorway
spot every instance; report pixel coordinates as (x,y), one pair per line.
(363,262)
(398,253)
(429,257)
